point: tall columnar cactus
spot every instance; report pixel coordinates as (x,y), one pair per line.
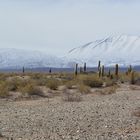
(130,69)
(99,65)
(100,72)
(76,69)
(50,70)
(85,67)
(23,70)
(103,70)
(109,73)
(81,70)
(117,70)
(132,78)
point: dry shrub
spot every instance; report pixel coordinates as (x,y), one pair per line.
(36,76)
(84,89)
(71,96)
(4,92)
(32,89)
(137,81)
(42,82)
(132,78)
(24,86)
(53,84)
(124,78)
(3,76)
(108,90)
(70,84)
(109,82)
(16,84)
(92,81)
(67,76)
(40,78)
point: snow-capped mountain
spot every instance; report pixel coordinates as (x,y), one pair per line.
(17,58)
(123,49)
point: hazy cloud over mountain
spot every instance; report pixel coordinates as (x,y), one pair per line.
(56,26)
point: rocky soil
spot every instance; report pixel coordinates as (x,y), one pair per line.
(96,117)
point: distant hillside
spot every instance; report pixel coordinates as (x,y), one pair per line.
(123,50)
(17,58)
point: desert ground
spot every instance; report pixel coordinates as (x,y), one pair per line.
(67,113)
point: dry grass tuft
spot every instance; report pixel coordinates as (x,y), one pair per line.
(84,89)
(107,90)
(32,89)
(4,92)
(70,84)
(124,78)
(90,80)
(137,81)
(53,84)
(109,82)
(71,96)
(66,76)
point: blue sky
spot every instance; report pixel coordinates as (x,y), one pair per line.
(56,26)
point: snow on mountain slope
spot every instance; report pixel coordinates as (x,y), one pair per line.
(17,58)
(123,49)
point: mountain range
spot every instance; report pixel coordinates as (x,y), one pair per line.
(17,58)
(123,49)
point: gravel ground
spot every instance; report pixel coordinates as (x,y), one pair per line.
(96,117)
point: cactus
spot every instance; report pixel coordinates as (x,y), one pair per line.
(130,69)
(50,70)
(23,70)
(111,76)
(76,69)
(109,73)
(117,70)
(102,70)
(81,70)
(85,67)
(132,80)
(99,72)
(99,65)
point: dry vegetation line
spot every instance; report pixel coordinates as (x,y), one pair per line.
(60,106)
